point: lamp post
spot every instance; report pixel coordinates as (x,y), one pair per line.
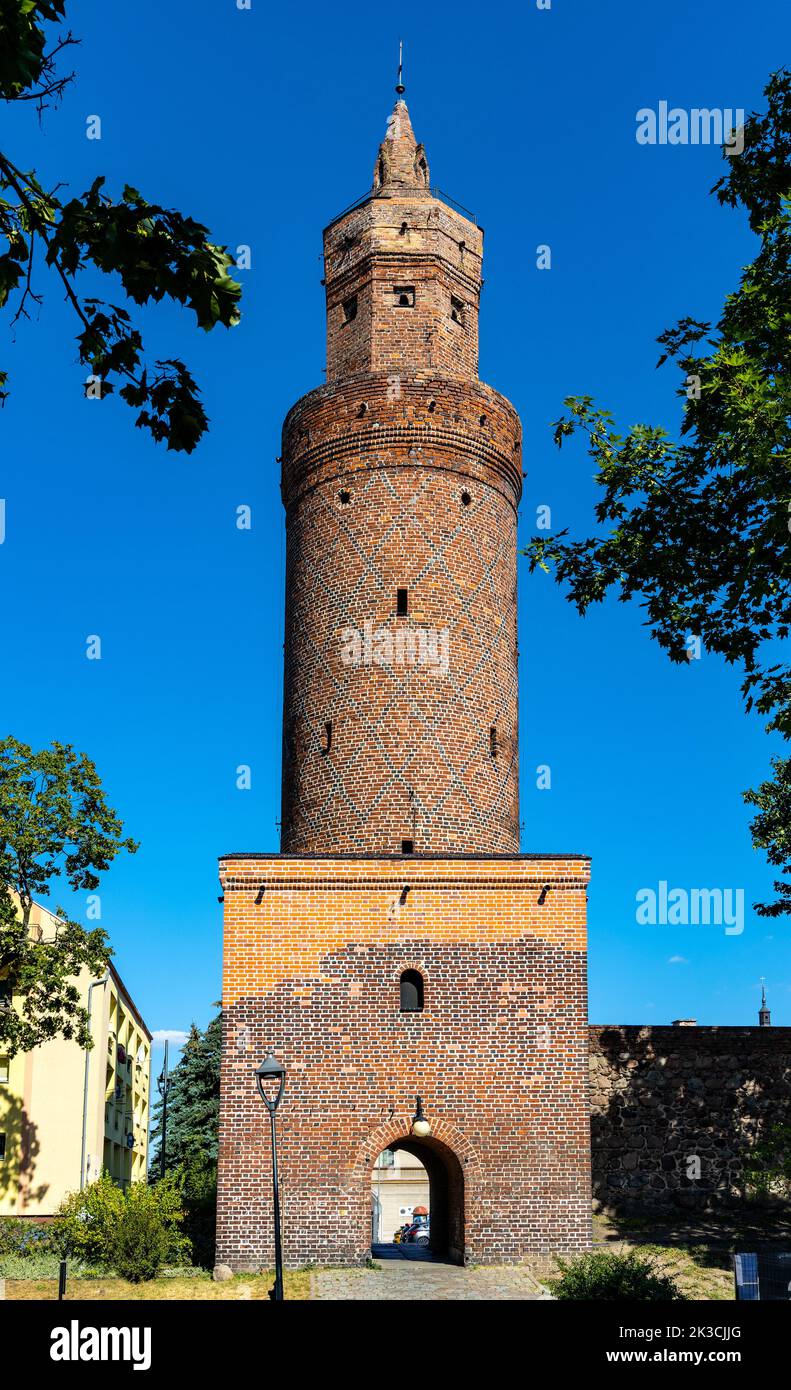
(271,1073)
(163,1086)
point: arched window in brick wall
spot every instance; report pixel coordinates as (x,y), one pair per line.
(411,992)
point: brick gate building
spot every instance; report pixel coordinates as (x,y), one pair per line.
(400,945)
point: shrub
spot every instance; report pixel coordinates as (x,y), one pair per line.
(89,1218)
(134,1232)
(615,1278)
(24,1239)
(140,1241)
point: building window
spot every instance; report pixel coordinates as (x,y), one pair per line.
(3,1071)
(407,846)
(411,992)
(457,310)
(404,296)
(387,1159)
(402,603)
(493,741)
(350,308)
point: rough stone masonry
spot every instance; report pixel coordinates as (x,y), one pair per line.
(401,478)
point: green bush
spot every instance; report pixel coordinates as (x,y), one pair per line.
(615,1278)
(134,1233)
(140,1241)
(26,1238)
(88,1219)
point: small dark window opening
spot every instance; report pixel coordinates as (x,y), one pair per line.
(345,498)
(407,846)
(432,405)
(402,603)
(403,229)
(493,741)
(482,420)
(326,746)
(2,1136)
(457,310)
(404,296)
(350,308)
(465,499)
(411,992)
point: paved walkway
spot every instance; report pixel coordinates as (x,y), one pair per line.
(406,1276)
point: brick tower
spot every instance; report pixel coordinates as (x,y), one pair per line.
(400,944)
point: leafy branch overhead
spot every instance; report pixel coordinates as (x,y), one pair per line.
(698,530)
(155,252)
(54,824)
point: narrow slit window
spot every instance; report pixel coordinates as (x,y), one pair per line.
(411,992)
(493,741)
(457,310)
(402,603)
(326,746)
(350,308)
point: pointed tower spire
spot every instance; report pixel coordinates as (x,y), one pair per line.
(764,1016)
(401,164)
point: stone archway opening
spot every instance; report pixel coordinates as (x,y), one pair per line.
(419,1172)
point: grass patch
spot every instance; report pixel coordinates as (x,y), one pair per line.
(197,1285)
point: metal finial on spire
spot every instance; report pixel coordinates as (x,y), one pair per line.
(400,88)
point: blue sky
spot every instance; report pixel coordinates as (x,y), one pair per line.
(264,124)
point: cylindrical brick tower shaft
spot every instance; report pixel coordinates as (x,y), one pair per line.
(401,481)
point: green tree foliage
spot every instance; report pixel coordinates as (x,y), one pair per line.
(767,1168)
(192,1136)
(156,252)
(193,1104)
(614,1278)
(699,531)
(54,821)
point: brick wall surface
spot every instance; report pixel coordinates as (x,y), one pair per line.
(416,493)
(661,1096)
(314,950)
(404,472)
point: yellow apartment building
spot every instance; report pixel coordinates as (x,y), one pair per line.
(67,1114)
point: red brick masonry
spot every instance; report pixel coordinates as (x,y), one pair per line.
(314,948)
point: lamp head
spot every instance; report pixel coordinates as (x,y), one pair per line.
(420,1125)
(269,1074)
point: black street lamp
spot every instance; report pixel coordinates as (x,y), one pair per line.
(271,1073)
(163,1086)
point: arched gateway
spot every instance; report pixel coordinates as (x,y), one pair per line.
(400,943)
(453,1173)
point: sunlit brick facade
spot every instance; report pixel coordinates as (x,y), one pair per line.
(400,821)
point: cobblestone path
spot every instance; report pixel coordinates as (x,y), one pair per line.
(403,1279)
